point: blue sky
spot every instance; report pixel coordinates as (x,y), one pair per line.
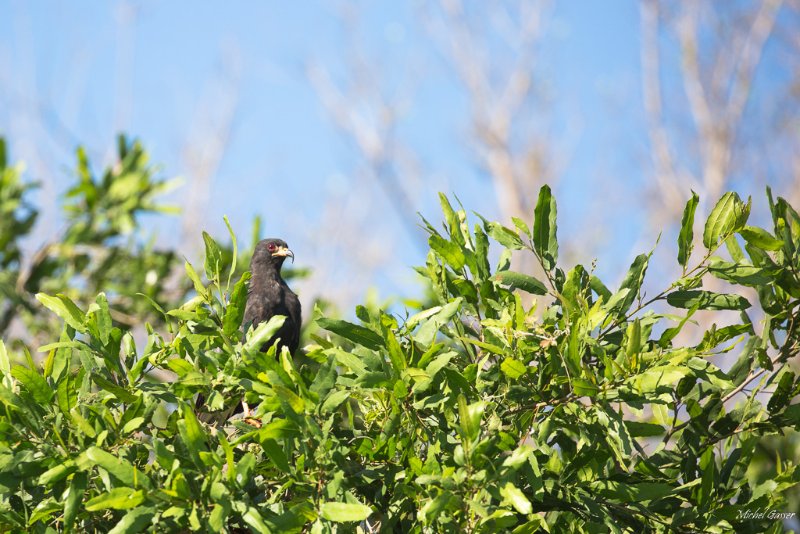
(83,71)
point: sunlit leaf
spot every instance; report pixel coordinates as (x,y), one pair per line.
(234,312)
(117,498)
(760,238)
(342,512)
(516,498)
(545,241)
(707,300)
(686,235)
(64,308)
(520,281)
(353,332)
(728,216)
(213,257)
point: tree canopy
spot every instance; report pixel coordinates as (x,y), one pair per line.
(502,402)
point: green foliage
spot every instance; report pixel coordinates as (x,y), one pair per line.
(578,412)
(99,249)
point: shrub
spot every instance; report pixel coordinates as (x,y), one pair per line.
(574,410)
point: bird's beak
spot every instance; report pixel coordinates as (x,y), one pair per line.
(283,251)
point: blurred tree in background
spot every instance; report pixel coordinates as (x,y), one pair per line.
(100,249)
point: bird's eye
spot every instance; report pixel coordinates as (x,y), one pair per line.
(271,247)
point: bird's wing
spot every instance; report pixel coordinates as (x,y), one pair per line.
(297,319)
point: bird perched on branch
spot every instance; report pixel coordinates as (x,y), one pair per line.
(269,295)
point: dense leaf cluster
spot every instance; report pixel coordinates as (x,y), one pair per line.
(575,409)
(97,250)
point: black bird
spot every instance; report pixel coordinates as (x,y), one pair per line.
(269,295)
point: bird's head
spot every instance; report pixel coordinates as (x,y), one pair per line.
(271,252)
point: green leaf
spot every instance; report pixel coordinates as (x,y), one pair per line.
(620,303)
(334,400)
(716,336)
(73,498)
(235,251)
(5,362)
(435,507)
(513,368)
(514,280)
(520,455)
(67,392)
(218,517)
(102,318)
(119,392)
(277,430)
(61,345)
(746,275)
(396,355)
(666,376)
(707,300)
(727,217)
(449,251)
(736,252)
(44,509)
(180,366)
(191,432)
(451,219)
(134,521)
(599,288)
(686,236)
(132,425)
(195,278)
(780,398)
(54,474)
(276,454)
(263,333)
(342,512)
(633,345)
(419,317)
(645,491)
(545,241)
(516,498)
(117,498)
(351,361)
(638,429)
(760,238)
(356,333)
(439,363)
(118,467)
(505,236)
(494,349)
(296,403)
(427,332)
(583,388)
(213,257)
(252,517)
(522,226)
(66,309)
(234,313)
(470,418)
(34,383)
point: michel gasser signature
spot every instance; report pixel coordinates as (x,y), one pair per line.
(765,514)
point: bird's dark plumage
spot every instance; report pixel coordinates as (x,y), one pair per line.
(269,295)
